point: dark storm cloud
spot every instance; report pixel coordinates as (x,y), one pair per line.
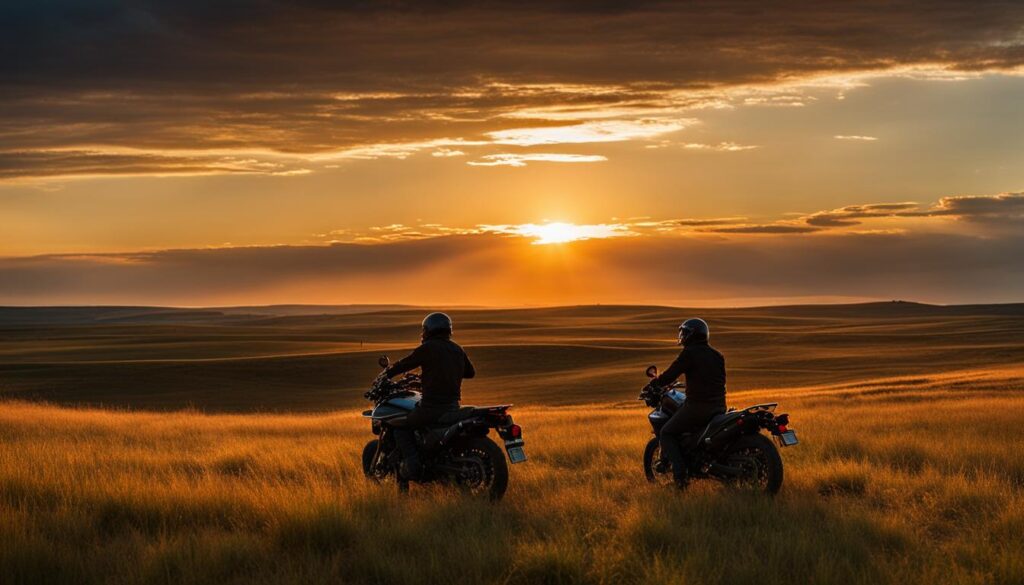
(320,76)
(406,45)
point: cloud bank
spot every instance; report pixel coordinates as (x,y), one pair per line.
(185,87)
(639,261)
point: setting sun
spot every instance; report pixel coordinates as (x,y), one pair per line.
(559,232)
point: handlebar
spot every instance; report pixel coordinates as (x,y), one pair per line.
(651,394)
(383,387)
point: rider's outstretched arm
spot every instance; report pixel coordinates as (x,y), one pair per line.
(406,364)
(672,373)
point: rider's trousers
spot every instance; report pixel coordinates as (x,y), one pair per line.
(690,418)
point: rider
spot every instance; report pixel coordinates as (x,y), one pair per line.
(444,365)
(704,368)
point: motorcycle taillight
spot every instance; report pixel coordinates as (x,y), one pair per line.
(515,431)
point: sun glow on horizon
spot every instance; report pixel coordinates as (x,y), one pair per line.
(560,232)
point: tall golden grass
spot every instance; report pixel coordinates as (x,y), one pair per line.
(896,481)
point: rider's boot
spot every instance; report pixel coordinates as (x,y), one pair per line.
(411,469)
(673,451)
(681,473)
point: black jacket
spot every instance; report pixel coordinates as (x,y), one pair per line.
(444,365)
(704,368)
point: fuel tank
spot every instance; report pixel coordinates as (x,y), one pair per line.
(397,405)
(657,418)
(671,401)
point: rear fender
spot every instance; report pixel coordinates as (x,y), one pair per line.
(496,416)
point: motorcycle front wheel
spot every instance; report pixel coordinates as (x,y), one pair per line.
(656,470)
(369,452)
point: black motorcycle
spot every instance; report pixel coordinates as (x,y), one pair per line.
(456,450)
(731,448)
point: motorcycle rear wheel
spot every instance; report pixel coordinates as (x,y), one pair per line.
(759,457)
(486,469)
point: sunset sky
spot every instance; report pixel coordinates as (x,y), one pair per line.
(511,153)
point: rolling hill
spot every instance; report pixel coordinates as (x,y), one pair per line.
(321,358)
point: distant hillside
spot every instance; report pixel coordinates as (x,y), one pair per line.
(114,314)
(295,358)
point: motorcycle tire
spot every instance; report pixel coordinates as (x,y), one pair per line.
(492,457)
(759,451)
(652,452)
(369,451)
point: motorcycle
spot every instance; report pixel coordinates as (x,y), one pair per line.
(456,450)
(731,448)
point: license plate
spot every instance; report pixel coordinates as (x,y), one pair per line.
(516,454)
(788,438)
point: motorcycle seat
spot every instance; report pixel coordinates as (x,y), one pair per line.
(450,418)
(719,420)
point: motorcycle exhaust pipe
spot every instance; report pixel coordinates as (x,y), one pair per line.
(456,429)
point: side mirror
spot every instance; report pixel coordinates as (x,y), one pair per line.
(383,361)
(651,371)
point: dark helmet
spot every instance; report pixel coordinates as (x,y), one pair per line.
(693,330)
(436,324)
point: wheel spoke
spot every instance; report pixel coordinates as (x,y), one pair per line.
(754,462)
(478,471)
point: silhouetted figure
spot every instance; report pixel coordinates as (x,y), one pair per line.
(704,369)
(443,365)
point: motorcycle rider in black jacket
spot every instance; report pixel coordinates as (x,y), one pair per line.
(704,368)
(443,365)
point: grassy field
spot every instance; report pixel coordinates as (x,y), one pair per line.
(910,466)
(278,359)
(911,479)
